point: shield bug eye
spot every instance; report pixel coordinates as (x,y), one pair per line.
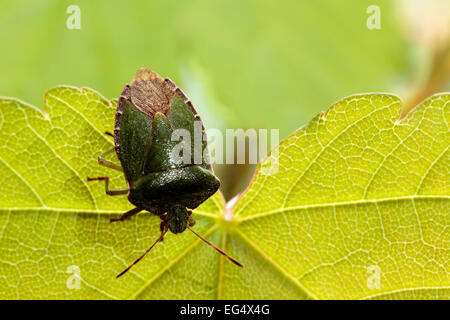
(148,111)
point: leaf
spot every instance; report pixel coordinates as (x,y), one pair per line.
(356,190)
(52,219)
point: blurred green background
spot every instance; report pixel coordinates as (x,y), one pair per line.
(244,63)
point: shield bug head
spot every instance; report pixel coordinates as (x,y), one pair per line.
(149,110)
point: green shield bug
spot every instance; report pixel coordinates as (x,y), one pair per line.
(149,111)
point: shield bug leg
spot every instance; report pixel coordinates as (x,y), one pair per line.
(127,215)
(109,134)
(102,161)
(107,190)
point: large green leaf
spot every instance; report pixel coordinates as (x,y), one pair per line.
(51,218)
(355,189)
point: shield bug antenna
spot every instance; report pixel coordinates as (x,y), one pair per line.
(161,237)
(218,250)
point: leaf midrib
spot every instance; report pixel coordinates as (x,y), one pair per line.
(280,269)
(343,203)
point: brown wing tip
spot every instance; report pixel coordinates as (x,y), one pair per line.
(146,74)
